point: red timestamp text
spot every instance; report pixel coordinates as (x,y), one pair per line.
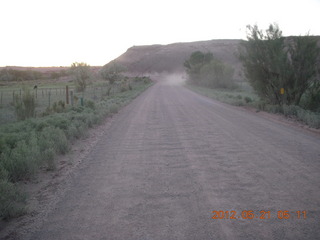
(260,214)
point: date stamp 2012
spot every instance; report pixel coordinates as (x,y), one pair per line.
(260,214)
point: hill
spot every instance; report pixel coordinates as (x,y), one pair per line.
(170,58)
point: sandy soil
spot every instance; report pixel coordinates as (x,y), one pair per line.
(160,167)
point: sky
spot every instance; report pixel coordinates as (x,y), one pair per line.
(59,32)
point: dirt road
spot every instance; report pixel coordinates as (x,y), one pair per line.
(172,157)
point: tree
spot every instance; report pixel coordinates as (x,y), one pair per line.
(303,67)
(112,72)
(203,69)
(262,57)
(196,61)
(216,74)
(81,73)
(272,62)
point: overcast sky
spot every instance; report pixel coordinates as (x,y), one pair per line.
(59,32)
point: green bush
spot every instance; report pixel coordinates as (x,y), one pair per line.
(51,141)
(113,108)
(274,108)
(311,100)
(4,175)
(12,202)
(310,118)
(27,145)
(57,107)
(216,74)
(25,107)
(272,62)
(81,73)
(48,155)
(291,110)
(248,99)
(89,104)
(22,161)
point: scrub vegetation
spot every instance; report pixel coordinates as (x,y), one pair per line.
(33,142)
(282,75)
(205,70)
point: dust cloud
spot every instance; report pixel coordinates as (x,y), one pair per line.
(173,79)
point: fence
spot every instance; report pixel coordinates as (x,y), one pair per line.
(46,96)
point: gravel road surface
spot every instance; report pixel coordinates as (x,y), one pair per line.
(172,157)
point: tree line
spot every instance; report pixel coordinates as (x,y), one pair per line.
(110,72)
(9,74)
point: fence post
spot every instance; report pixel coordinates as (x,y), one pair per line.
(71,97)
(67,94)
(49,97)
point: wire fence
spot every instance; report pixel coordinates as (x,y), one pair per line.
(46,96)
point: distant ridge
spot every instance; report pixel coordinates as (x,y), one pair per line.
(170,58)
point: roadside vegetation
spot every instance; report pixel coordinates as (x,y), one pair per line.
(8,75)
(33,142)
(206,71)
(282,75)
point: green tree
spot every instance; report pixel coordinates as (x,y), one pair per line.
(81,73)
(203,69)
(112,72)
(303,66)
(216,74)
(263,60)
(272,62)
(195,62)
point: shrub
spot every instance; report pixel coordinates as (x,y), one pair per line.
(81,73)
(216,74)
(52,140)
(22,161)
(60,121)
(261,105)
(311,100)
(29,144)
(291,110)
(25,107)
(274,108)
(204,70)
(12,202)
(113,108)
(248,99)
(4,175)
(146,80)
(310,118)
(89,104)
(48,155)
(59,107)
(272,62)
(112,72)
